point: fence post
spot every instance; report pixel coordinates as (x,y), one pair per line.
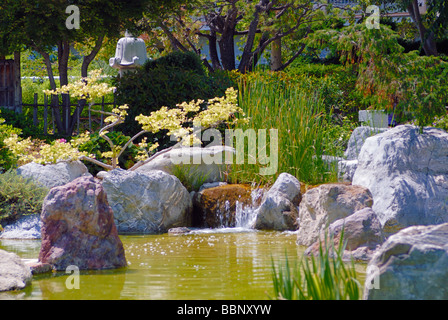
(45,114)
(90,120)
(102,115)
(35,122)
(77,115)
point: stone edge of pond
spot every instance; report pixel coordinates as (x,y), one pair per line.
(38,267)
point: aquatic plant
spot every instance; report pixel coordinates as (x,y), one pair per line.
(325,277)
(299,118)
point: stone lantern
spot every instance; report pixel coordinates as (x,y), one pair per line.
(130,54)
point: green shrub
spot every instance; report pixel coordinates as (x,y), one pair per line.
(7,159)
(179,60)
(441,122)
(337,133)
(20,121)
(19,196)
(165,84)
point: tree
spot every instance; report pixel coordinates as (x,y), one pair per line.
(404,83)
(261,24)
(40,25)
(431,25)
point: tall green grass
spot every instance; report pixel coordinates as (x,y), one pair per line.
(325,277)
(299,118)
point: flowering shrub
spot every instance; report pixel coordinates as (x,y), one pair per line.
(7,158)
(59,150)
(219,110)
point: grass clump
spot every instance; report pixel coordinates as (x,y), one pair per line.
(19,196)
(190,176)
(325,277)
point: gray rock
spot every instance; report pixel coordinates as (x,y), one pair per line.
(208,164)
(346,170)
(14,274)
(278,208)
(54,175)
(411,265)
(357,139)
(147,202)
(212,185)
(362,235)
(26,227)
(325,204)
(407,173)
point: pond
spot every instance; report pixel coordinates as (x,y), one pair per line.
(208,264)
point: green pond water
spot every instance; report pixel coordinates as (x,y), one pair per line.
(220,264)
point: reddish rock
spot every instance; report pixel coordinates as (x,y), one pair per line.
(78,228)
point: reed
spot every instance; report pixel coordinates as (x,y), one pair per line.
(325,277)
(299,118)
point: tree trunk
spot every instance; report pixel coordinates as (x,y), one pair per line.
(427,40)
(227,49)
(214,51)
(89,58)
(54,99)
(276,54)
(84,73)
(63,56)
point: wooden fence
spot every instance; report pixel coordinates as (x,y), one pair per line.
(48,119)
(10,93)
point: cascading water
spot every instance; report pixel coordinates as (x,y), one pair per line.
(245,215)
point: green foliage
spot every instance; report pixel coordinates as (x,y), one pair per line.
(148,89)
(298,115)
(191,178)
(387,78)
(20,121)
(317,70)
(325,277)
(179,60)
(337,132)
(97,145)
(441,122)
(19,196)
(7,159)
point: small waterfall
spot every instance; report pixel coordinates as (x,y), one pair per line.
(245,216)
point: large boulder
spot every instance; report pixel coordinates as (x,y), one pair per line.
(147,202)
(411,265)
(207,164)
(14,274)
(278,208)
(222,206)
(407,173)
(362,235)
(54,175)
(78,228)
(325,204)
